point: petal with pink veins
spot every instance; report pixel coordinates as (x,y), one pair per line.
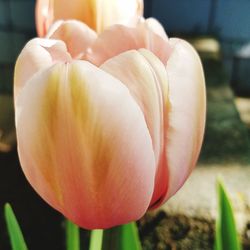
(133,70)
(87,136)
(145,76)
(162,174)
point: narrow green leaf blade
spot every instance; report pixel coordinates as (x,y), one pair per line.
(72,236)
(226,233)
(14,231)
(124,237)
(130,237)
(96,240)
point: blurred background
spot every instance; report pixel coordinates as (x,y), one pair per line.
(220,31)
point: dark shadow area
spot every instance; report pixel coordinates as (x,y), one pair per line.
(42,226)
(226,137)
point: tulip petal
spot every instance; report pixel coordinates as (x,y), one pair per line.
(44,16)
(119,38)
(162,174)
(77,36)
(156,27)
(37,55)
(186,118)
(89,152)
(145,76)
(96,14)
(118,12)
(134,71)
(49,11)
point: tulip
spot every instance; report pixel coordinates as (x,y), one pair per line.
(97,14)
(109,125)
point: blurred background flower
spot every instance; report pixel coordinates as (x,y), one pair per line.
(97,14)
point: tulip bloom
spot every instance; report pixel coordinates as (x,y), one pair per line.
(108,126)
(97,14)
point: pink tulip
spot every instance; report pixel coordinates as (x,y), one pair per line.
(97,14)
(108,126)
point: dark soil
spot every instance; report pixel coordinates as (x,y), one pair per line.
(43,227)
(161,231)
(176,232)
(246,237)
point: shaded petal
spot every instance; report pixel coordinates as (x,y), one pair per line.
(77,36)
(37,55)
(162,175)
(119,38)
(186,118)
(145,76)
(88,153)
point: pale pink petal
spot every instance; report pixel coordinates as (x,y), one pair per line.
(77,36)
(88,153)
(145,76)
(37,55)
(162,175)
(118,12)
(132,69)
(156,27)
(112,42)
(186,118)
(119,38)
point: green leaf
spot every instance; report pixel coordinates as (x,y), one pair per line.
(226,233)
(72,236)
(130,237)
(15,234)
(96,240)
(124,237)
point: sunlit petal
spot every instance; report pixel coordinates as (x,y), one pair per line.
(87,136)
(36,55)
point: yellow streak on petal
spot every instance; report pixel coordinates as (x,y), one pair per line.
(97,147)
(47,135)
